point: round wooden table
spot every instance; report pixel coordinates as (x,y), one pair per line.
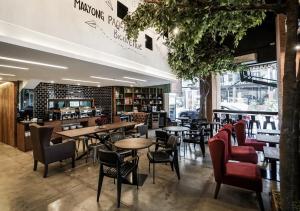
(135,144)
(176,129)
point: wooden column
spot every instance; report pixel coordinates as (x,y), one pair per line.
(8,109)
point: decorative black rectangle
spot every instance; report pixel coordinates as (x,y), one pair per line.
(122,10)
(148,42)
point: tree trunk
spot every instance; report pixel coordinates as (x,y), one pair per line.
(204,90)
(289,139)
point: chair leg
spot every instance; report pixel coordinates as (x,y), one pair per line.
(172,166)
(202,146)
(94,155)
(35,163)
(260,201)
(46,170)
(217,190)
(153,169)
(119,186)
(149,166)
(73,162)
(176,165)
(100,181)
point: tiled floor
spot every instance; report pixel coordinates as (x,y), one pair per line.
(75,189)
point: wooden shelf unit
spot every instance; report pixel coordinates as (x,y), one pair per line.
(126,98)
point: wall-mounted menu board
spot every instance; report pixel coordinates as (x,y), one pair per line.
(73,103)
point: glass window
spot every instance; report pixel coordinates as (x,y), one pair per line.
(245,95)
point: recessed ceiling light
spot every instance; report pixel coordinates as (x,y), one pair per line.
(98,86)
(52,82)
(32,62)
(135,79)
(14,67)
(5,74)
(112,79)
(1,79)
(77,80)
(78,84)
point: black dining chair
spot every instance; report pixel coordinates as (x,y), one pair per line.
(161,139)
(195,137)
(112,165)
(114,137)
(166,155)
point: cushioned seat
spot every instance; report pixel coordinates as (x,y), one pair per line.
(258,146)
(238,153)
(239,174)
(243,175)
(240,130)
(244,154)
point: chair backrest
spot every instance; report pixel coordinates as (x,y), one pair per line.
(228,128)
(143,130)
(140,117)
(217,148)
(117,136)
(161,135)
(223,135)
(40,137)
(109,158)
(240,131)
(172,142)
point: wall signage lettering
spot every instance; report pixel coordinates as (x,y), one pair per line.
(118,33)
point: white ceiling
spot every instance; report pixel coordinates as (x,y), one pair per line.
(77,69)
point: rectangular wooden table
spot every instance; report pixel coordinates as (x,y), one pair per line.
(87,131)
(272,140)
(95,129)
(266,131)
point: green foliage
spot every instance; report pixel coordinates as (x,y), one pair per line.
(198,48)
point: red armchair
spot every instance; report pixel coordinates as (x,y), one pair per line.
(239,174)
(239,153)
(240,131)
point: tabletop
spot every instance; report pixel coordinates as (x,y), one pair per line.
(268,138)
(134,143)
(94,129)
(183,118)
(176,128)
(267,131)
(271,153)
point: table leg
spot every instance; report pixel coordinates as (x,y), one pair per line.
(136,178)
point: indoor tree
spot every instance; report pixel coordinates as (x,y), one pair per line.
(195,21)
(195,37)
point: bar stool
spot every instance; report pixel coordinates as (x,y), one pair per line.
(227,119)
(251,123)
(216,118)
(268,121)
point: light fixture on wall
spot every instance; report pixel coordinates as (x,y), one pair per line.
(77,80)
(135,79)
(32,62)
(112,79)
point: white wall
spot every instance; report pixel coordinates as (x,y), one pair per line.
(56,26)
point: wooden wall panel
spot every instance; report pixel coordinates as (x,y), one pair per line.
(8,101)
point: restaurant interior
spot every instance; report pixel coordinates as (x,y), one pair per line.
(91,119)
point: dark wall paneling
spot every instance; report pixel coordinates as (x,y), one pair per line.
(44,91)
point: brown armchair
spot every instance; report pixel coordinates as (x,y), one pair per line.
(46,153)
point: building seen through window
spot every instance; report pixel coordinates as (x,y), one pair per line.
(254,89)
